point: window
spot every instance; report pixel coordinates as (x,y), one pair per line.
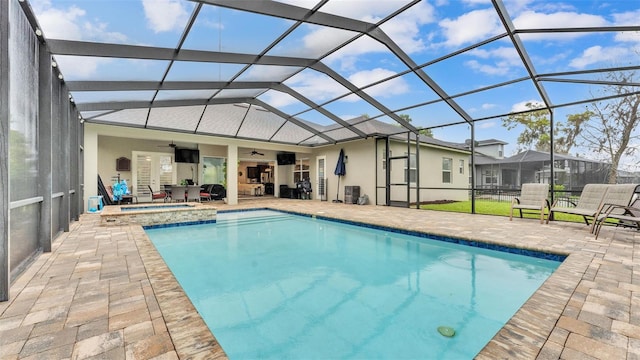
(410,171)
(301,170)
(461,165)
(490,176)
(446,170)
(214,171)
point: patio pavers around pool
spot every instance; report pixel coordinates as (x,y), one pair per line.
(104,292)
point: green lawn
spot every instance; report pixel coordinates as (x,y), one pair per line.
(493,208)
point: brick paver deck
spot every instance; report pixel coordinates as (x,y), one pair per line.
(104,292)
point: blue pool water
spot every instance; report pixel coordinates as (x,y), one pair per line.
(271,286)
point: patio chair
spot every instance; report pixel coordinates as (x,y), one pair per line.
(178,192)
(218,192)
(157,195)
(616,202)
(534,197)
(587,206)
(205,192)
(193,193)
(625,216)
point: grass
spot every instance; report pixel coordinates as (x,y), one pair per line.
(500,208)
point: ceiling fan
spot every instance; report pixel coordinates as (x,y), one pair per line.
(171,145)
(254,153)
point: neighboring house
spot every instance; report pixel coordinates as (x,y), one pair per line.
(492,147)
(628,177)
(533,166)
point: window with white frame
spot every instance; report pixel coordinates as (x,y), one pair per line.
(461,166)
(490,176)
(447,164)
(301,170)
(410,169)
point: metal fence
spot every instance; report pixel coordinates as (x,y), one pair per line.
(562,197)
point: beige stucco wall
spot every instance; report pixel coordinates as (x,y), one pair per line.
(360,168)
(430,164)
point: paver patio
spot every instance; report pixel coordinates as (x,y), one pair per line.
(104,292)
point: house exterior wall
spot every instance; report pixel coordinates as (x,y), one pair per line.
(493,150)
(430,160)
(361,166)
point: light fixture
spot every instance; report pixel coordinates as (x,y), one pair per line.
(54,64)
(38,32)
(60,76)
(81,121)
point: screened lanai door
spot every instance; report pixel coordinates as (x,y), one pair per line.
(152,169)
(395,174)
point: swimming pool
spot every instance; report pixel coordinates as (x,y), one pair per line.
(274,285)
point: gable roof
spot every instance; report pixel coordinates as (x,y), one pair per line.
(529,156)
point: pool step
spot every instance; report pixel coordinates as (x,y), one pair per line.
(252,220)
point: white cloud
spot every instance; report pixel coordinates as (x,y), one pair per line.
(560,19)
(522,106)
(315,86)
(502,59)
(318,42)
(394,87)
(477,2)
(627,18)
(277,99)
(74,67)
(321,88)
(486,124)
(71,24)
(488,106)
(599,54)
(165,15)
(404,29)
(60,23)
(496,69)
(471,27)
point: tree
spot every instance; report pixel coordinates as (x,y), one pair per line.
(421,131)
(615,122)
(537,126)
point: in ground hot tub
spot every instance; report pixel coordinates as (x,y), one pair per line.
(159,214)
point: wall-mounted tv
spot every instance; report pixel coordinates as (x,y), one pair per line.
(187,155)
(253,172)
(286,158)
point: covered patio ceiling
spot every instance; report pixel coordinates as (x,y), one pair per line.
(314,73)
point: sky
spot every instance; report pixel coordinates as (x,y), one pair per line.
(427,32)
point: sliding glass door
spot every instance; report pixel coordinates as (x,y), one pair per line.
(214,170)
